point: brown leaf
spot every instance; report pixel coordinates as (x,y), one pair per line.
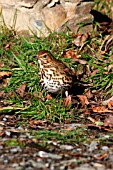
(91,119)
(1,94)
(109,121)
(70,54)
(18,130)
(36,123)
(110,67)
(89,94)
(49,97)
(97,122)
(12,94)
(1,64)
(67,101)
(7,46)
(84,100)
(105,102)
(102,156)
(110,104)
(95,72)
(3,73)
(80,39)
(39,95)
(21,90)
(95,126)
(2,133)
(100,109)
(81,61)
(4,78)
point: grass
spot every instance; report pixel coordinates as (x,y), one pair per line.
(104,6)
(17,55)
(63,136)
(19,59)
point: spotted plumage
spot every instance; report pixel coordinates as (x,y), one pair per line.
(54,75)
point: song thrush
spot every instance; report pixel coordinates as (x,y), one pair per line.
(54,75)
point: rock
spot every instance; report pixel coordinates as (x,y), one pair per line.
(83,8)
(74,26)
(66,147)
(70,9)
(18,3)
(37,15)
(54,17)
(44,154)
(38,26)
(16,19)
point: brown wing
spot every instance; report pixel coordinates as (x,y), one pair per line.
(62,67)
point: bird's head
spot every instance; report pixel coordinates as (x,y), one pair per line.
(44,57)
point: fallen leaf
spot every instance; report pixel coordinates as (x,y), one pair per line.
(80,39)
(67,101)
(70,54)
(101,157)
(110,104)
(21,90)
(35,123)
(1,64)
(84,100)
(12,94)
(1,94)
(18,130)
(3,74)
(91,119)
(5,82)
(95,126)
(4,78)
(39,96)
(110,67)
(7,46)
(105,102)
(109,121)
(89,94)
(97,123)
(100,109)
(49,97)
(95,71)
(81,61)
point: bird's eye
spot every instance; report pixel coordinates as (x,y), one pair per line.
(45,56)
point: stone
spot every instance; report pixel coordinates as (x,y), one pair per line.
(18,3)
(15,18)
(41,17)
(84,8)
(54,17)
(70,9)
(75,25)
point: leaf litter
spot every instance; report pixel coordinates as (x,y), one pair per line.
(84,139)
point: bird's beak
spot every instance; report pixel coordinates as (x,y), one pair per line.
(35,56)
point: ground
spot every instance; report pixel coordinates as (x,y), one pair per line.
(39,131)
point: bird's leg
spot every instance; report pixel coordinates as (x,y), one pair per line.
(67,100)
(66,93)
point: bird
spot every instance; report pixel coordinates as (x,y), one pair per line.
(54,75)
